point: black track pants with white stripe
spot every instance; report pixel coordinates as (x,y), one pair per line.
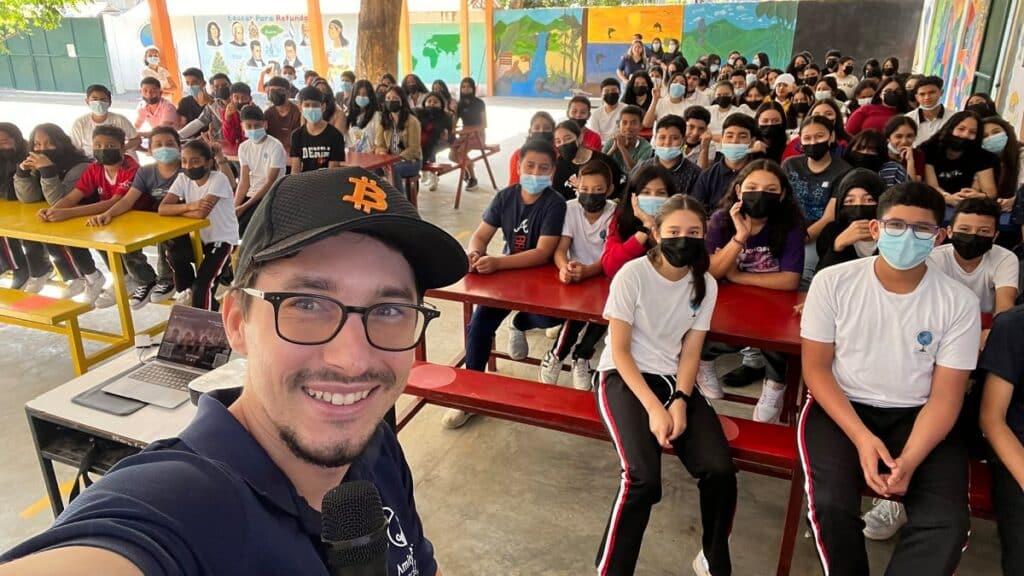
(703,450)
(938,519)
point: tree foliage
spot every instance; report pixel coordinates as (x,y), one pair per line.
(22,16)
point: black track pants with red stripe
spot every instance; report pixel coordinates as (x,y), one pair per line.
(202,282)
(703,450)
(938,519)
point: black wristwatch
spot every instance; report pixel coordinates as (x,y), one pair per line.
(678,395)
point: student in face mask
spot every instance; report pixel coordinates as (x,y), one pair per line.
(542,127)
(437,132)
(737,147)
(681,94)
(671,50)
(756,95)
(578,257)
(638,91)
(829,109)
(400,135)
(848,236)
(669,140)
(756,238)
(955,163)
(415,88)
(930,114)
(890,67)
(195,96)
(1000,138)
(282,116)
(154,69)
(629,231)
(738,79)
(363,117)
(723,104)
(659,310)
(889,100)
(982,105)
(867,150)
(212,116)
(154,110)
(811,75)
(657,74)
(863,95)
(571,155)
(604,120)
(904,163)
(472,112)
(262,159)
(827,89)
(771,129)
(656,54)
(316,144)
(98,98)
(799,106)
(578,111)
(872,69)
(844,76)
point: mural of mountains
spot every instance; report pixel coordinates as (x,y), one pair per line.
(722,36)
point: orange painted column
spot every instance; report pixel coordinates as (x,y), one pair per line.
(315,22)
(464,37)
(489,45)
(160,22)
(405,40)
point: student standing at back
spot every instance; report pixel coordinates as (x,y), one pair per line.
(282,116)
(578,111)
(316,144)
(888,345)
(98,98)
(605,119)
(472,112)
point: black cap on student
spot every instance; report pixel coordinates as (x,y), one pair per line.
(302,209)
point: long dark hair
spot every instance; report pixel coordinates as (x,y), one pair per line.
(787,217)
(840,128)
(698,267)
(413,79)
(330,106)
(386,121)
(951,124)
(629,96)
(627,222)
(10,166)
(66,155)
(355,113)
(903,106)
(1009,158)
(441,87)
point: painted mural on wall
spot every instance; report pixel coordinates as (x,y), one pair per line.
(437,49)
(956,30)
(538,52)
(749,27)
(610,31)
(1011,96)
(340,43)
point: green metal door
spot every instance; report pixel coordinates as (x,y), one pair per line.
(66,59)
(991,47)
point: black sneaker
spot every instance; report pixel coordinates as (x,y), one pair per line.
(743,376)
(140,296)
(163,291)
(471,185)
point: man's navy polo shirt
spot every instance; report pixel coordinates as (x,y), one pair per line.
(213,502)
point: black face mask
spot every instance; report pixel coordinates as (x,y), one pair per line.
(592,203)
(278,98)
(196,173)
(760,205)
(222,93)
(872,162)
(811,81)
(888,71)
(970,246)
(568,151)
(850,214)
(107,156)
(956,143)
(545,136)
(891,99)
(800,108)
(611,98)
(581,122)
(682,250)
(723,102)
(816,151)
(394,106)
(640,90)
(848,69)
(772,132)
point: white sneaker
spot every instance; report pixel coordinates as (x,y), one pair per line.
(552,333)
(884,520)
(35,284)
(72,289)
(700,565)
(707,381)
(94,286)
(582,374)
(432,179)
(769,406)
(184,298)
(518,347)
(455,418)
(106,299)
(550,369)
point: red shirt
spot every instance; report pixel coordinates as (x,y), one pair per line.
(616,252)
(94,182)
(231,130)
(870,117)
(592,139)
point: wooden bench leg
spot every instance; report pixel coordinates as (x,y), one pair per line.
(792,524)
(412,189)
(490,173)
(74,334)
(458,189)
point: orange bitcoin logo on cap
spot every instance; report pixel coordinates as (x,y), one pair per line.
(366,196)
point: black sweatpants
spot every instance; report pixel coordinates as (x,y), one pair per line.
(245,217)
(568,335)
(71,263)
(136,266)
(1008,502)
(774,362)
(938,519)
(703,450)
(203,281)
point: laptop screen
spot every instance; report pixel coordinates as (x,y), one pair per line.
(195,338)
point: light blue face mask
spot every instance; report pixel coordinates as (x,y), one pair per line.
(534,184)
(346,87)
(667,153)
(193,90)
(650,204)
(906,251)
(676,90)
(312,115)
(99,107)
(822,95)
(362,101)
(256,135)
(735,152)
(166,155)
(995,143)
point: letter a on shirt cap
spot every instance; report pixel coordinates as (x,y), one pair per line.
(367,196)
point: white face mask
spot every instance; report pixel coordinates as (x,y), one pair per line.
(863,101)
(865,248)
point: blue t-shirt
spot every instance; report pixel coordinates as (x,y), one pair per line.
(213,502)
(523,224)
(813,190)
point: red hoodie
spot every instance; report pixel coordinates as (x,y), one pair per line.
(616,252)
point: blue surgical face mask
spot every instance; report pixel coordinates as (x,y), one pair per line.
(534,184)
(906,251)
(193,90)
(735,152)
(667,153)
(822,95)
(312,115)
(995,143)
(362,101)
(676,90)
(650,204)
(346,87)
(256,135)
(166,155)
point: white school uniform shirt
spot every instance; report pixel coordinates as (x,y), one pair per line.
(718,117)
(223,222)
(665,106)
(661,313)
(999,268)
(887,345)
(261,157)
(81,130)
(927,128)
(605,123)
(587,239)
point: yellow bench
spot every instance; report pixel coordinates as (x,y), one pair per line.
(45,313)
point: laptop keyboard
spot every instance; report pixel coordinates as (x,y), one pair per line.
(165,376)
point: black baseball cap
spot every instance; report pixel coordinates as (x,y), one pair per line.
(302,209)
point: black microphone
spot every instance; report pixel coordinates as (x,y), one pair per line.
(355,532)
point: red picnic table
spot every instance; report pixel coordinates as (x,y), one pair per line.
(369,160)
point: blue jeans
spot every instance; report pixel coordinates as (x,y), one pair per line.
(485,323)
(404,169)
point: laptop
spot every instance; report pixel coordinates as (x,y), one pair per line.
(193,344)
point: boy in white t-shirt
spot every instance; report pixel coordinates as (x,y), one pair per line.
(262,160)
(888,346)
(605,118)
(578,257)
(202,194)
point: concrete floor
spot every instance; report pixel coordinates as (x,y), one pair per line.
(495,497)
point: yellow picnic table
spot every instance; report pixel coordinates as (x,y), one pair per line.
(127,233)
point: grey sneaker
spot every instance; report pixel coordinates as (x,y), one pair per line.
(582,375)
(72,289)
(106,299)
(550,369)
(35,284)
(518,347)
(884,520)
(455,418)
(769,406)
(707,381)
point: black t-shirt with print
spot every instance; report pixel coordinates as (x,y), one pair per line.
(317,151)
